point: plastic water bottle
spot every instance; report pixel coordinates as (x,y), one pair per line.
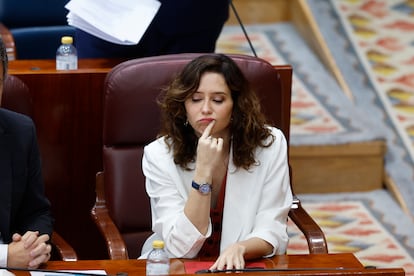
(66,55)
(158,262)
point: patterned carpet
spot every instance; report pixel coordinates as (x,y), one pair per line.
(382,35)
(372,44)
(354,226)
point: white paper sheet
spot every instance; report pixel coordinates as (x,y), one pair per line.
(118,21)
(70,273)
(4,272)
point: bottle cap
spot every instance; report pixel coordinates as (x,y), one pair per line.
(158,244)
(67,40)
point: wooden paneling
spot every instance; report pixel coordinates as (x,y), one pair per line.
(67,111)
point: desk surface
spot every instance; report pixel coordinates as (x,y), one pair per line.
(34,66)
(349,263)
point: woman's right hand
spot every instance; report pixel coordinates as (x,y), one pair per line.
(209,155)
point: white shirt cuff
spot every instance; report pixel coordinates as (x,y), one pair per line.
(3,254)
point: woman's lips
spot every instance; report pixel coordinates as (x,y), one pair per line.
(206,120)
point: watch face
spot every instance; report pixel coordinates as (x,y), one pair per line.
(205,188)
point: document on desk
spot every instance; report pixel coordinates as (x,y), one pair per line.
(4,272)
(117,21)
(191,267)
(68,273)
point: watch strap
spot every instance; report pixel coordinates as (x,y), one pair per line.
(204,188)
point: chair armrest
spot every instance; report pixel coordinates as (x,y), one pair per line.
(8,41)
(63,249)
(313,233)
(117,249)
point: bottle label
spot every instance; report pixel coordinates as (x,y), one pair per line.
(67,62)
(155,269)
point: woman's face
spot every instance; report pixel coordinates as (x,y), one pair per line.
(211,101)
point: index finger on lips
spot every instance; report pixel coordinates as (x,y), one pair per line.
(208,129)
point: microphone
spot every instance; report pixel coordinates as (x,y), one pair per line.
(51,271)
(260,269)
(242,27)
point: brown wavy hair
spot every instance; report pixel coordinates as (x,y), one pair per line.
(248,124)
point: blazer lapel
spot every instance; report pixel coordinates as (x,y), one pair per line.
(233,204)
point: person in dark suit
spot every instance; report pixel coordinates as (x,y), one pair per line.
(180,26)
(25,220)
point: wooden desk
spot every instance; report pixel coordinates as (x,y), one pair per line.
(137,267)
(29,67)
(67,111)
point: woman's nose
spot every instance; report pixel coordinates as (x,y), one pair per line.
(206,108)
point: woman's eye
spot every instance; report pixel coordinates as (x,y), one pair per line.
(196,99)
(218,100)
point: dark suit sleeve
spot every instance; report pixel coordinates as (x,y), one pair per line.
(31,207)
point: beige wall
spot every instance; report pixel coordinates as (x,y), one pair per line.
(260,11)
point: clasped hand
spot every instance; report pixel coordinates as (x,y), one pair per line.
(29,250)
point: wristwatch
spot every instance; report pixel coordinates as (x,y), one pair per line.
(204,188)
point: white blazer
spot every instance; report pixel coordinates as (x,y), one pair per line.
(256,203)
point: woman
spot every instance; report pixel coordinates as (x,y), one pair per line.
(217,176)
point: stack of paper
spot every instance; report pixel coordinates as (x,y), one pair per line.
(117,21)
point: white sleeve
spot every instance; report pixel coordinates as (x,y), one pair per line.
(168,197)
(276,200)
(3,254)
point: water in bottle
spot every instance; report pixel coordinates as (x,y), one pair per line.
(158,262)
(66,55)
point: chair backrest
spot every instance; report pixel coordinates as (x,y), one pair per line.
(132,120)
(16,96)
(29,13)
(36,27)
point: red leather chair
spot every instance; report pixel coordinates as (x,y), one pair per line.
(16,97)
(131,120)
